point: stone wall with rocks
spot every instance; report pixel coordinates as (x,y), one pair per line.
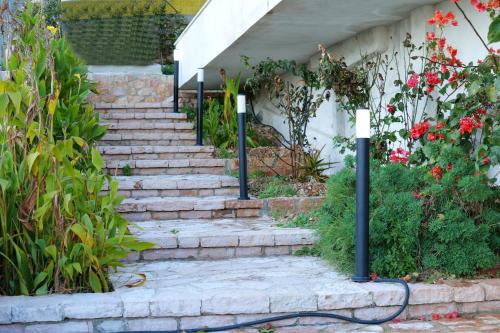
(132,89)
(189,97)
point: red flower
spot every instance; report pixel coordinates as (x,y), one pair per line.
(486,160)
(430,36)
(449,166)
(480,7)
(468,124)
(413,80)
(481,111)
(442,20)
(440,125)
(436,316)
(391,108)
(431,137)
(432,81)
(442,42)
(417,195)
(419,129)
(399,156)
(437,172)
(453,77)
(432,78)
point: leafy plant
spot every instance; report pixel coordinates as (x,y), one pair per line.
(167,69)
(220,122)
(298,99)
(189,111)
(127,170)
(58,232)
(314,166)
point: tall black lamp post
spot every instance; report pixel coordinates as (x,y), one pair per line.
(177,58)
(362,195)
(199,120)
(242,146)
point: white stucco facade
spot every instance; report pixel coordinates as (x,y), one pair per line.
(383,39)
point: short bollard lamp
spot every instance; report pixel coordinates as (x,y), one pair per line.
(362,195)
(199,119)
(242,146)
(177,59)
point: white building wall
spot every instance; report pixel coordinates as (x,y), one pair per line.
(383,39)
(218,24)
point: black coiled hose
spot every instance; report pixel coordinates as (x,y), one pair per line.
(302,314)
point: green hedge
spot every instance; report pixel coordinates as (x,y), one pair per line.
(121,32)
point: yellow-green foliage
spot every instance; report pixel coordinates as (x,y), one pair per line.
(190,7)
(99,9)
(58,233)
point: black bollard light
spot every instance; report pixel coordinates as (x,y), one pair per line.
(242,147)
(362,195)
(199,120)
(177,58)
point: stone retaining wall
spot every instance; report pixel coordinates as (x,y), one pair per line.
(189,97)
(271,161)
(132,89)
(290,205)
(139,309)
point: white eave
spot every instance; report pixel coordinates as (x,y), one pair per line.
(225,30)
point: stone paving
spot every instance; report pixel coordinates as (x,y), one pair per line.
(476,324)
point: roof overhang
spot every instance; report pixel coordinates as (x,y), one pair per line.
(225,30)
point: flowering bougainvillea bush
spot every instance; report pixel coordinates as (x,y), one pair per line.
(435,149)
(58,233)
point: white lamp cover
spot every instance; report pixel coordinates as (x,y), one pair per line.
(201,75)
(242,104)
(363,123)
(177,55)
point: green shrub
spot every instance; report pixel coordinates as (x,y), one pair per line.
(189,111)
(278,187)
(415,224)
(58,233)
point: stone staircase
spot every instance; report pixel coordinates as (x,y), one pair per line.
(177,194)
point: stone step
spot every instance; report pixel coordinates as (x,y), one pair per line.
(177,185)
(219,239)
(173,142)
(147,138)
(167,167)
(128,114)
(221,292)
(156,152)
(173,208)
(146,124)
(150,134)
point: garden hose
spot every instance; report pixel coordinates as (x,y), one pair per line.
(301,315)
